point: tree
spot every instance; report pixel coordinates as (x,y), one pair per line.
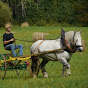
(81,12)
(71,12)
(5,14)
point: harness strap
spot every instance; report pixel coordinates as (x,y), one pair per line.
(68,46)
(38,45)
(74,35)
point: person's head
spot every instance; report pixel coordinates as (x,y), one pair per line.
(8,29)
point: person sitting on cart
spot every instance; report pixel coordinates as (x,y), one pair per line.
(8,40)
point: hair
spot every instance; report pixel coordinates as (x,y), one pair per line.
(7,25)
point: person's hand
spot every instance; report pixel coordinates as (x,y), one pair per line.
(12,39)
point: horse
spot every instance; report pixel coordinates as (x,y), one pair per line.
(71,41)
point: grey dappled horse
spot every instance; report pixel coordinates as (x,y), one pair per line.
(71,41)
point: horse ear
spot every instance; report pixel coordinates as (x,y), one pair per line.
(62,31)
(63,36)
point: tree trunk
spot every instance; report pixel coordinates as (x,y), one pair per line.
(23,9)
(8,3)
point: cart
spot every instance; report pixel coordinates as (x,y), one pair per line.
(9,63)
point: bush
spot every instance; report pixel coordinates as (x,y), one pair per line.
(41,23)
(64,24)
(5,14)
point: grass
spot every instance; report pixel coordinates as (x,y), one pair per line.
(79,63)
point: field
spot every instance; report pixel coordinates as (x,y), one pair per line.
(79,62)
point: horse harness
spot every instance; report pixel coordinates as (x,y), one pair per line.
(65,44)
(68,46)
(38,46)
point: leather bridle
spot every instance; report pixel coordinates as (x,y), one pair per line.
(74,36)
(69,47)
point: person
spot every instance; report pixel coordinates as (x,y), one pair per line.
(8,40)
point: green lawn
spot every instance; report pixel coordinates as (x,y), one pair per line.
(79,62)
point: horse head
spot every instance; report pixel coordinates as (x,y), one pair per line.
(72,40)
(78,41)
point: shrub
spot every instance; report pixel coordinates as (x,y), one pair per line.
(5,14)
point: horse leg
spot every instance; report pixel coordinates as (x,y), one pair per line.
(63,70)
(43,63)
(64,73)
(68,69)
(34,65)
(65,65)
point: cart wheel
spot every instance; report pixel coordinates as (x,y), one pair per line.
(24,72)
(3,72)
(17,72)
(20,72)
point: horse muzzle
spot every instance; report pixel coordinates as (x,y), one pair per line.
(80,48)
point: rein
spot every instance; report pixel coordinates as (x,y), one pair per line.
(23,40)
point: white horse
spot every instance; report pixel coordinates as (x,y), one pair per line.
(70,40)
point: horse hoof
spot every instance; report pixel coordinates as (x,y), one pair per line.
(65,75)
(45,75)
(34,76)
(68,73)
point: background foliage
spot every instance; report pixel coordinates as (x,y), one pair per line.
(5,14)
(49,12)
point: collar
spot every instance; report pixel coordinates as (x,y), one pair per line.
(7,32)
(68,47)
